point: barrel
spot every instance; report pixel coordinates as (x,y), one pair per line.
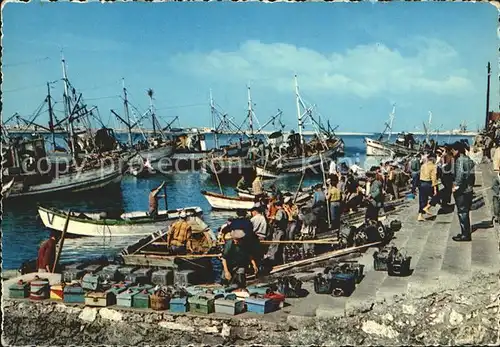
(39,289)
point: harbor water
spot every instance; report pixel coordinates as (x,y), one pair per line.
(23,231)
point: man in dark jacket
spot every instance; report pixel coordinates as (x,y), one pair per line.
(47,254)
(463,189)
(375,198)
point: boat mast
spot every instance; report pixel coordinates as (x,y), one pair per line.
(250,111)
(488,96)
(125,106)
(299,115)
(51,115)
(214,122)
(391,121)
(150,94)
(67,106)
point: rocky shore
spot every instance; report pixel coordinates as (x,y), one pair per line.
(468,314)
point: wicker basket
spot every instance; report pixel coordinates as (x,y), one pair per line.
(160,301)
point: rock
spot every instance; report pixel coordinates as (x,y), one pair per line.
(409,309)
(226,330)
(439,318)
(108,314)
(299,322)
(388,317)
(209,330)
(175,326)
(88,314)
(455,318)
(412,323)
(372,327)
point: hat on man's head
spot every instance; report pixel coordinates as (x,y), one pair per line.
(183,214)
(241,212)
(237,234)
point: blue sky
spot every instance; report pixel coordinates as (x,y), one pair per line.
(353,60)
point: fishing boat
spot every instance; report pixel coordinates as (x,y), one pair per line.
(301,196)
(225,202)
(135,223)
(97,160)
(153,148)
(404,145)
(266,172)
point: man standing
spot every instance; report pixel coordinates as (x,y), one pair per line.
(463,186)
(375,198)
(47,254)
(153,201)
(334,196)
(428,186)
(259,223)
(415,173)
(236,258)
(179,236)
(257,188)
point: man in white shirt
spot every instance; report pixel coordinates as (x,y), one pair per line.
(259,223)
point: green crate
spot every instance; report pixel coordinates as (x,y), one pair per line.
(141,300)
(19,290)
(202,304)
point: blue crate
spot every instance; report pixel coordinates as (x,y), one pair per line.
(179,305)
(260,306)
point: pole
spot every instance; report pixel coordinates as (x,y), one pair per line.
(299,116)
(51,115)
(324,182)
(300,185)
(250,111)
(67,106)
(127,115)
(212,109)
(217,177)
(165,196)
(61,242)
(488,97)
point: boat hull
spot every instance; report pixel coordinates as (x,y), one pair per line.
(92,225)
(376,148)
(228,203)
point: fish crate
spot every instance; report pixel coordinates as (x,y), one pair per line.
(382,258)
(99,299)
(195,290)
(72,273)
(160,300)
(259,290)
(126,270)
(141,300)
(74,294)
(39,289)
(57,292)
(202,304)
(323,284)
(139,276)
(351,267)
(19,290)
(399,266)
(260,305)
(179,305)
(343,284)
(91,282)
(126,297)
(277,298)
(92,269)
(185,277)
(230,305)
(163,277)
(110,273)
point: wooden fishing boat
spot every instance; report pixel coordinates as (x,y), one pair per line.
(224,202)
(127,224)
(301,196)
(266,172)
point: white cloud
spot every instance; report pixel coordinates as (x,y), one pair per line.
(364,70)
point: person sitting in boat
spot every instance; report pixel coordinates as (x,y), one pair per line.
(237,257)
(153,200)
(257,187)
(242,184)
(179,236)
(47,254)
